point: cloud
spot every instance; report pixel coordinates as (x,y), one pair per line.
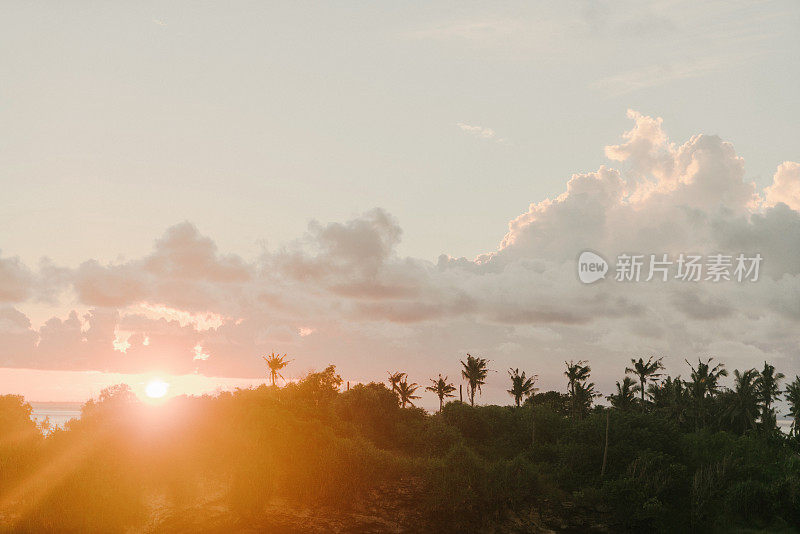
(184,267)
(16,281)
(343,293)
(480,131)
(785,186)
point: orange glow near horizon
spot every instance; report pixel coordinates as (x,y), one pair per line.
(38,385)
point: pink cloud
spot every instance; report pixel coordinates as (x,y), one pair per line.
(186,308)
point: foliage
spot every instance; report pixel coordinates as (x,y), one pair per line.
(645,371)
(275,363)
(406,393)
(625,397)
(442,388)
(768,390)
(691,459)
(474,371)
(521,386)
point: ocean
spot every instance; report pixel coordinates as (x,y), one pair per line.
(58,413)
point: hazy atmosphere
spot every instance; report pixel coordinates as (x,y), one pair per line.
(400,267)
(187,187)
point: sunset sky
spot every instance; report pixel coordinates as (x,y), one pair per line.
(388,186)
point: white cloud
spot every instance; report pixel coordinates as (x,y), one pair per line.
(370,309)
(480,131)
(786,186)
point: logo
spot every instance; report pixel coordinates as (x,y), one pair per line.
(591,267)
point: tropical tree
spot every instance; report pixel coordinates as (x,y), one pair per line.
(768,391)
(521,386)
(474,372)
(793,396)
(671,397)
(577,374)
(275,363)
(395,379)
(704,384)
(406,393)
(645,370)
(584,394)
(625,397)
(741,413)
(442,388)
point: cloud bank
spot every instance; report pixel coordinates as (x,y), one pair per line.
(341,292)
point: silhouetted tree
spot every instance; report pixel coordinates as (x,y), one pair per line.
(704,384)
(406,393)
(275,364)
(625,397)
(793,396)
(521,386)
(584,395)
(442,388)
(742,410)
(671,397)
(474,372)
(768,391)
(577,373)
(395,379)
(645,371)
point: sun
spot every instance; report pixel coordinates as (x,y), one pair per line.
(156,389)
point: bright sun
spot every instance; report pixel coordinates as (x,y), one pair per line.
(155,389)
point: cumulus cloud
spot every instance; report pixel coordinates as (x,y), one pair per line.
(785,186)
(342,293)
(184,268)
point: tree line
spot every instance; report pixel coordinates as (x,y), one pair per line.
(701,400)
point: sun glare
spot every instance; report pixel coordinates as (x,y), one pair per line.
(156,389)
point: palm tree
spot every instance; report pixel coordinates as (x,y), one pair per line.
(406,393)
(768,391)
(704,384)
(577,373)
(520,385)
(743,410)
(275,364)
(645,371)
(584,393)
(395,379)
(671,397)
(474,372)
(793,396)
(626,394)
(442,388)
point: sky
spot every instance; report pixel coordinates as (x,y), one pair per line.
(383,186)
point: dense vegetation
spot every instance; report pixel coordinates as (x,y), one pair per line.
(669,455)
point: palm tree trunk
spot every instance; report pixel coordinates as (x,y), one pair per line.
(605,449)
(460,393)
